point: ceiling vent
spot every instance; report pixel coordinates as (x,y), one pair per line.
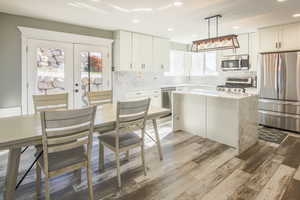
(218,42)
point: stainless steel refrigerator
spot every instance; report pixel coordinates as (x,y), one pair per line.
(279,102)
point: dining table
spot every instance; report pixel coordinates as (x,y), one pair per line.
(22,131)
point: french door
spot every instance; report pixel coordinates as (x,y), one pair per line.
(57,67)
(91,72)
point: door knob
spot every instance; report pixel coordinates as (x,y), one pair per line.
(76,90)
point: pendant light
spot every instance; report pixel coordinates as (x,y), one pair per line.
(215,43)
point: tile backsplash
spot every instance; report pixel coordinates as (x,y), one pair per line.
(124,82)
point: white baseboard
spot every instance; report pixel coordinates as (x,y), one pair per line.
(9,112)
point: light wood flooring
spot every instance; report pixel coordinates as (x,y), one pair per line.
(193,168)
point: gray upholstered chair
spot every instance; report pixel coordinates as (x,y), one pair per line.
(67,145)
(130,116)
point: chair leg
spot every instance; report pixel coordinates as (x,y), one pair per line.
(47,191)
(90,182)
(101,156)
(127,155)
(157,139)
(77,174)
(118,169)
(38,181)
(143,158)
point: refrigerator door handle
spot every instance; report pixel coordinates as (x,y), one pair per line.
(279,102)
(279,114)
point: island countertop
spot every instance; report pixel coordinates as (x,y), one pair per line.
(220,94)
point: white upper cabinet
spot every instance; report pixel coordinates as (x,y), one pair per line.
(142,52)
(290,37)
(280,38)
(269,39)
(139,52)
(244,44)
(253,51)
(123,51)
(161,54)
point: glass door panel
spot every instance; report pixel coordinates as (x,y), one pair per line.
(50,67)
(91,72)
(50,74)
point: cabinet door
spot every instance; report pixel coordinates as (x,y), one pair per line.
(137,51)
(161,54)
(253,51)
(268,38)
(290,37)
(244,44)
(147,52)
(125,51)
(187,62)
(142,52)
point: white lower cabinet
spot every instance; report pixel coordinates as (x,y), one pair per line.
(154,95)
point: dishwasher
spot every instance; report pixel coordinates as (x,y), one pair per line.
(166,97)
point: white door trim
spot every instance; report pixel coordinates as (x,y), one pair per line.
(40,34)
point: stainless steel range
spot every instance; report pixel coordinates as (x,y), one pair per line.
(236,85)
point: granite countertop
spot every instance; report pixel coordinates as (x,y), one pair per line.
(217,94)
(186,85)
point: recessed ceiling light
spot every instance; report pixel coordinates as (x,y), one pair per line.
(235,27)
(170,29)
(136,21)
(296,15)
(178,3)
(281,0)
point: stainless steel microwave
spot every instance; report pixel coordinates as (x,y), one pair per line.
(236,62)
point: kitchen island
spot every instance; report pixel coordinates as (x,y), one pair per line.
(227,118)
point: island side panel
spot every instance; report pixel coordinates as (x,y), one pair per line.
(248,122)
(223,121)
(189,113)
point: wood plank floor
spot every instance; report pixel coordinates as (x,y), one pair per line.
(193,168)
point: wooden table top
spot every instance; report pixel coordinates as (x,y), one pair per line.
(26,130)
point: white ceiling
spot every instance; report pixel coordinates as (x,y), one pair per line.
(156,16)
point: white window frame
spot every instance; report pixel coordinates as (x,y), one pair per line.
(187,69)
(40,34)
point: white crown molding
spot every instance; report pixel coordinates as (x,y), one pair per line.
(40,34)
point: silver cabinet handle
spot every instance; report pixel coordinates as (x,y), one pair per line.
(131,65)
(162,66)
(276,45)
(279,45)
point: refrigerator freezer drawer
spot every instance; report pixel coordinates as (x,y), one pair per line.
(280,120)
(279,106)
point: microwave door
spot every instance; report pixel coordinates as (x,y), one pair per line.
(289,76)
(269,76)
